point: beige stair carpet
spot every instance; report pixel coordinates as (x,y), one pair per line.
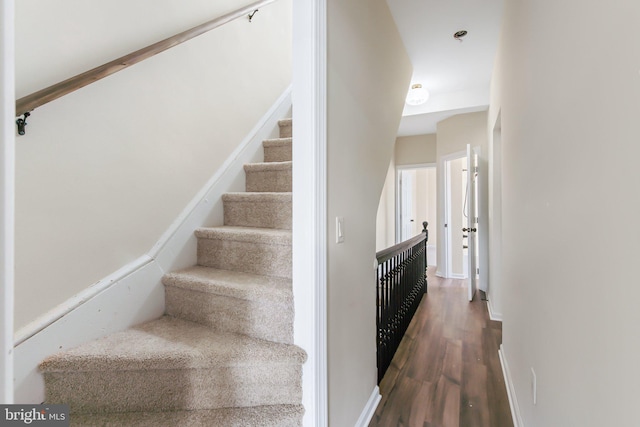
(223,353)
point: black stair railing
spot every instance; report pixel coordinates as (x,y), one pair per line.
(401,282)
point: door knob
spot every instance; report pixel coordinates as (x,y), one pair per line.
(469,230)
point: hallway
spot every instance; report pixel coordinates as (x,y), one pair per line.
(446,372)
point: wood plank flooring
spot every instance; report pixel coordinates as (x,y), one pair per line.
(446,372)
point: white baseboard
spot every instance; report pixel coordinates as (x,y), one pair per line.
(134,294)
(369,409)
(511,392)
(458,276)
(493,315)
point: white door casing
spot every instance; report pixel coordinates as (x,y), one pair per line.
(7,200)
(406,205)
(471,222)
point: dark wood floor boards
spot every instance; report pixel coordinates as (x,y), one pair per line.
(446,372)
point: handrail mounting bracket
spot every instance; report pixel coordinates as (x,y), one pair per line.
(21,123)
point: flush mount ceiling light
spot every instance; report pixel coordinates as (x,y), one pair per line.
(417,95)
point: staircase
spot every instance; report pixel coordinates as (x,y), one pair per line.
(223,353)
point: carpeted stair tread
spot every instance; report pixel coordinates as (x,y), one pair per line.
(229,283)
(277,142)
(170,343)
(258,197)
(256,416)
(246,234)
(268,166)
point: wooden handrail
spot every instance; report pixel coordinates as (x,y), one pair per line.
(41,97)
(391,251)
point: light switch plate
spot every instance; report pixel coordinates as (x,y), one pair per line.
(339,229)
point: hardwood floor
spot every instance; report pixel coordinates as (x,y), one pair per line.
(446,372)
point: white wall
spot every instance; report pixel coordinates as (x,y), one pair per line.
(417,149)
(104,171)
(386,216)
(453,136)
(7,159)
(569,99)
(364,51)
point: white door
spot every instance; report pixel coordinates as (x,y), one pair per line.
(406,205)
(471,215)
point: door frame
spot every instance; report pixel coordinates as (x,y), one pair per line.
(7,198)
(309,239)
(399,169)
(444,175)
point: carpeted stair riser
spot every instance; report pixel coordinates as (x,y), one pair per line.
(173,364)
(286,126)
(277,150)
(263,210)
(260,252)
(267,320)
(175,389)
(268,177)
(228,301)
(259,416)
(252,318)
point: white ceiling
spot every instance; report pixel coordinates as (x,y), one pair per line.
(456,74)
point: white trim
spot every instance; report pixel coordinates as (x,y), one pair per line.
(7,199)
(439,273)
(511,391)
(310,202)
(492,313)
(458,276)
(134,294)
(398,221)
(369,409)
(445,179)
(417,166)
(454,156)
(136,298)
(446,182)
(55,314)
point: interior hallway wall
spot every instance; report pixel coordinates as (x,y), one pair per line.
(386,216)
(567,90)
(364,51)
(417,149)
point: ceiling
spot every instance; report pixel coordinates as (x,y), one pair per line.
(456,73)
